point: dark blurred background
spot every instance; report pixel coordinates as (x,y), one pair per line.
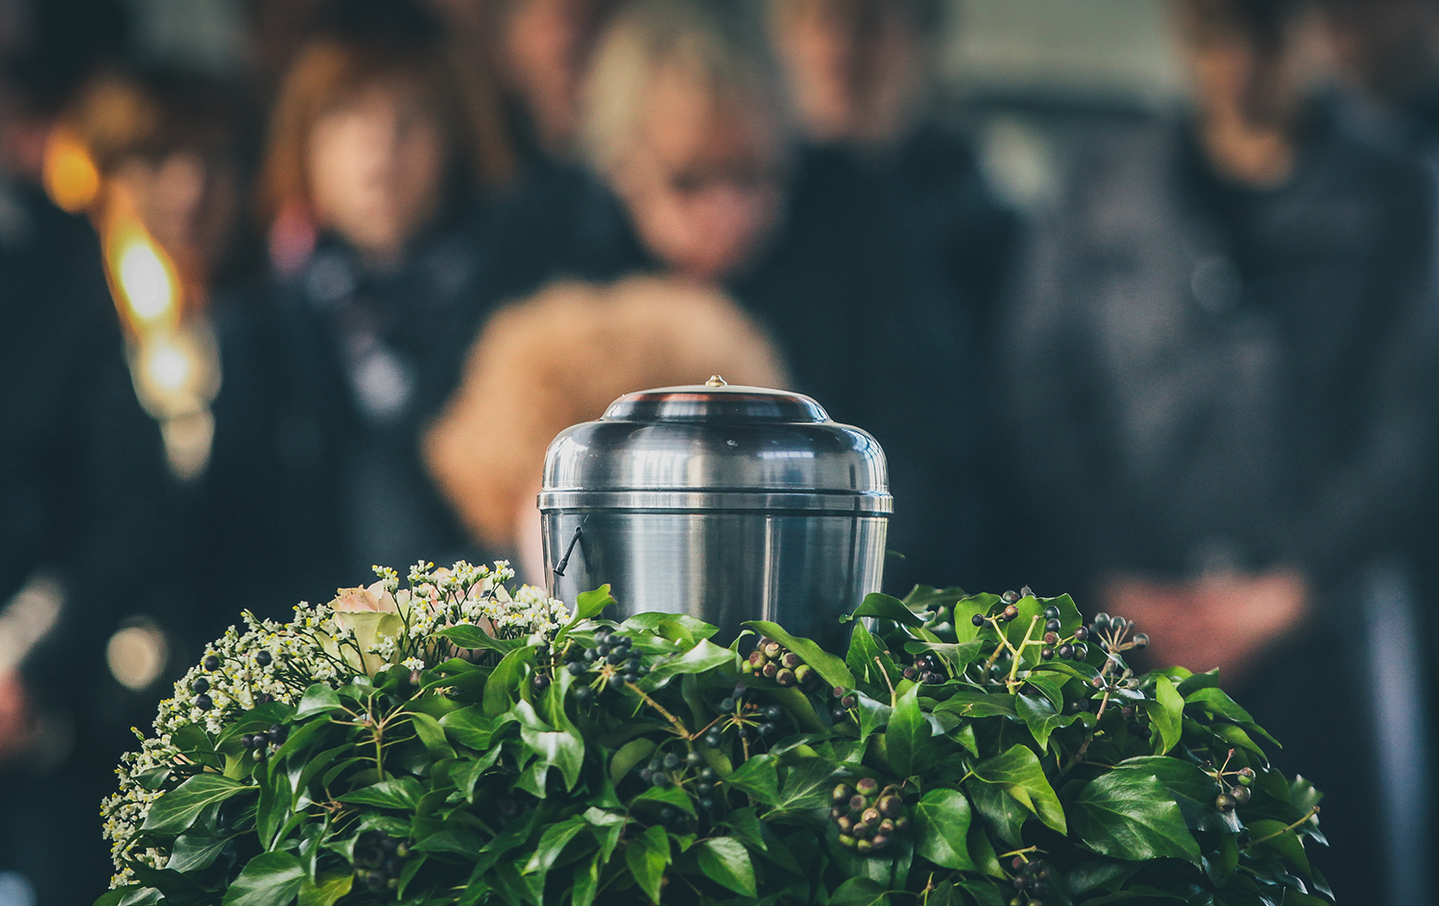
(1138,295)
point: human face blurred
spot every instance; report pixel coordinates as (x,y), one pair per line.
(188,201)
(854,66)
(546,49)
(376,167)
(704,180)
(1390,48)
(1238,82)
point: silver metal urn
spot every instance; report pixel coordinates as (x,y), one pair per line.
(726,503)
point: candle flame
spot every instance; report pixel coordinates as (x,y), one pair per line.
(144,278)
(68,172)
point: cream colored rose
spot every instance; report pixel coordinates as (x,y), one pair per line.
(368,613)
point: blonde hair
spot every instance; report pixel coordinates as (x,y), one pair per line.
(721,45)
(560,358)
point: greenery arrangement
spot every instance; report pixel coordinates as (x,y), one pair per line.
(452,742)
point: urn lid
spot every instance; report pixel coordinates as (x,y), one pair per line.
(716,446)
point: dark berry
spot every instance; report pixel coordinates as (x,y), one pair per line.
(646,774)
(602,650)
(668,814)
(1017,863)
(203,702)
(661,780)
(1047,653)
(263,658)
(773,712)
(1010,613)
(977,619)
(591,654)
(1101,621)
(726,704)
(767,729)
(1009,597)
(842,793)
(541,682)
(1052,625)
(1081,652)
(839,714)
(200,685)
(890,806)
(1117,624)
(585,694)
(1241,794)
(1051,638)
(633,665)
(1065,652)
(1141,640)
(671,761)
(707,803)
(630,678)
(849,701)
(1225,802)
(211,663)
(1081,633)
(278,732)
(910,673)
(616,658)
(713,739)
(704,787)
(1137,729)
(1077,707)
(577,669)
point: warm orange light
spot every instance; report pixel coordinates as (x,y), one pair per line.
(70,177)
(142,275)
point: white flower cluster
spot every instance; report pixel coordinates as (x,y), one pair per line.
(361,632)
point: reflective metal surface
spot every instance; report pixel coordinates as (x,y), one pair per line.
(725,503)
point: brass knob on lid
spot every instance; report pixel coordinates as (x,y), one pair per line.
(715,381)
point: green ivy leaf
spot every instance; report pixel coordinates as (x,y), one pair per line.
(980,704)
(703,657)
(861,658)
(726,861)
(1018,772)
(941,828)
(1039,714)
(176,810)
(563,749)
(1278,838)
(629,755)
(758,777)
(829,667)
(195,851)
(1192,790)
(469,727)
(553,842)
(805,784)
(476,639)
(1166,712)
(503,686)
(647,856)
(590,604)
(402,793)
(1002,813)
(269,879)
(1129,815)
(884,607)
(327,889)
(906,739)
(859,892)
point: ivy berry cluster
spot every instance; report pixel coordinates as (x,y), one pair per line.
(612,659)
(1234,785)
(773,661)
(1031,881)
(379,859)
(868,818)
(745,717)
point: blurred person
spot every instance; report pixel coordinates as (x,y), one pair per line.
(543,49)
(560,358)
(1386,53)
(84,508)
(1222,397)
(862,76)
(374,177)
(168,147)
(693,171)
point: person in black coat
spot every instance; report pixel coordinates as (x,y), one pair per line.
(372,176)
(1222,395)
(693,172)
(85,512)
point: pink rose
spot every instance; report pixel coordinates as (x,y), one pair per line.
(359,600)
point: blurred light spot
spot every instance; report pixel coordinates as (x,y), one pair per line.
(169,366)
(68,173)
(144,279)
(137,654)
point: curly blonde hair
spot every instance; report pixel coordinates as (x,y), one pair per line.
(560,358)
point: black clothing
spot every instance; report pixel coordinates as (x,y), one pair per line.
(847,296)
(84,500)
(1205,375)
(329,378)
(1200,370)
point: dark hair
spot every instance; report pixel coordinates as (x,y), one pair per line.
(1264,22)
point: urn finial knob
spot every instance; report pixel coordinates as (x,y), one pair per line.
(715,381)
